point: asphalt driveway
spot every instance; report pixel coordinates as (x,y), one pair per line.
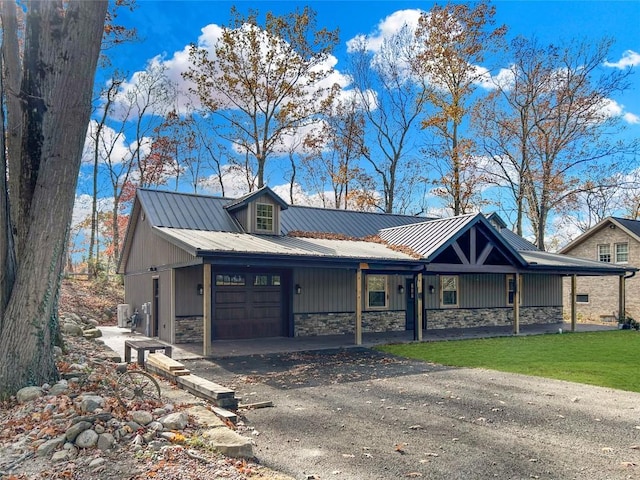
(359,414)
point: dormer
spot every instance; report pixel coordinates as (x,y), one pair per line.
(497,221)
(258,212)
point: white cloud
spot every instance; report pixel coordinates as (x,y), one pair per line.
(386,28)
(629,59)
(631,118)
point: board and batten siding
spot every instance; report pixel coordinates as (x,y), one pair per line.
(188,302)
(139,290)
(150,250)
(334,291)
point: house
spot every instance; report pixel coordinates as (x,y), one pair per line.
(210,268)
(613,241)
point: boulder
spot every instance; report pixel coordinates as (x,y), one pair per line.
(142,417)
(27,394)
(74,430)
(49,446)
(87,439)
(228,442)
(175,421)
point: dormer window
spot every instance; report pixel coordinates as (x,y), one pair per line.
(264,217)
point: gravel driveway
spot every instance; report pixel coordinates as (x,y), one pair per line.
(360,414)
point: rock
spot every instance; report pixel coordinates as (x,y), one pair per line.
(133,426)
(96,462)
(60,388)
(73,329)
(61,456)
(155,426)
(87,439)
(92,333)
(99,429)
(57,351)
(105,441)
(27,394)
(49,446)
(90,403)
(175,421)
(142,417)
(92,321)
(76,429)
(170,436)
(74,317)
(228,442)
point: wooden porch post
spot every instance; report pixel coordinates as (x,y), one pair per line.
(172,308)
(516,303)
(419,309)
(621,298)
(359,306)
(206,310)
(574,306)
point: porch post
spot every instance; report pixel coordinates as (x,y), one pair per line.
(359,306)
(419,303)
(621,298)
(172,308)
(574,306)
(516,303)
(206,310)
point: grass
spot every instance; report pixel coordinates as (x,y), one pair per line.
(607,359)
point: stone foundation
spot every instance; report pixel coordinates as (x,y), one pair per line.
(313,324)
(189,329)
(487,317)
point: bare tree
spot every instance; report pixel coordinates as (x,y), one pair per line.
(454,41)
(264,82)
(392,94)
(61,49)
(546,128)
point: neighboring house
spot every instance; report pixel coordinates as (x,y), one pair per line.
(213,269)
(613,241)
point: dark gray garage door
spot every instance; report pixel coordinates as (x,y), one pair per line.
(247,305)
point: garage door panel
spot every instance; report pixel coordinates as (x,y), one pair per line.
(251,310)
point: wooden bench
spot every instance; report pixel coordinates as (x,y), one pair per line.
(142,346)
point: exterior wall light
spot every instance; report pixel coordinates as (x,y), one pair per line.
(400,289)
(200,289)
(432,289)
(298,289)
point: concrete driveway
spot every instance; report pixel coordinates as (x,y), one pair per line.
(358,414)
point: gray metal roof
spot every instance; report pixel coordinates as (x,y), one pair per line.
(516,241)
(427,237)
(208,242)
(200,212)
(539,260)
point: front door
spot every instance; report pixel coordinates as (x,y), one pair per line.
(410,310)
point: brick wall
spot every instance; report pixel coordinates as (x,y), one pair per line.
(603,291)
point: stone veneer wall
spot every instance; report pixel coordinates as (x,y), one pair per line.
(485,317)
(312,324)
(189,329)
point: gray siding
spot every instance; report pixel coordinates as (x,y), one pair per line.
(149,250)
(334,290)
(188,302)
(139,290)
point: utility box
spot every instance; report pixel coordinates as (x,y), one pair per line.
(124,312)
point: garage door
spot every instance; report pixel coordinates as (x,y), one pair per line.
(247,305)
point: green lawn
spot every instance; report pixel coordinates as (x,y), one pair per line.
(608,359)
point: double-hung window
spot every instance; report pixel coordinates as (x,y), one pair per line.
(604,253)
(376,291)
(511,289)
(264,217)
(622,252)
(449,290)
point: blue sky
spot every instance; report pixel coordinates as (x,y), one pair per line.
(166,27)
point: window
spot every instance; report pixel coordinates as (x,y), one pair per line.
(264,217)
(604,253)
(622,252)
(511,283)
(237,280)
(582,298)
(449,290)
(261,280)
(377,291)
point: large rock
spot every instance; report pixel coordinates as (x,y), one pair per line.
(90,403)
(74,430)
(49,446)
(71,328)
(87,439)
(175,421)
(105,441)
(92,333)
(228,442)
(142,417)
(27,394)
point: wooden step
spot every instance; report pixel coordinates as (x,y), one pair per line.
(164,362)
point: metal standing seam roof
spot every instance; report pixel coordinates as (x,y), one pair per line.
(205,242)
(547,260)
(427,237)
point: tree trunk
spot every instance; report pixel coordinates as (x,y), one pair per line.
(62,44)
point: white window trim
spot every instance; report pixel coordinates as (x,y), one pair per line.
(273,218)
(608,245)
(449,305)
(386,293)
(616,252)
